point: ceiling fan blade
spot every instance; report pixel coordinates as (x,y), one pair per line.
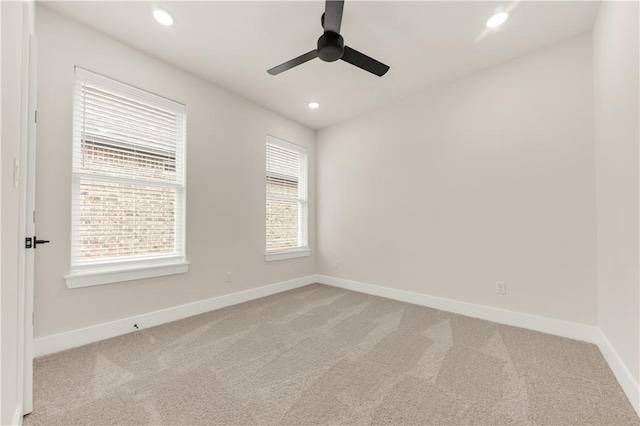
(361,60)
(294,62)
(333,15)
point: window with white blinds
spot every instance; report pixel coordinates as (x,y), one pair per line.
(286,180)
(128,175)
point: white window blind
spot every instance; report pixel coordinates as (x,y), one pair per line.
(128,174)
(286,196)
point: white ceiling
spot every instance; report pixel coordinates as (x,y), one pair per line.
(232,44)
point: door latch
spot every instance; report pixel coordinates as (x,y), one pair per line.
(33,242)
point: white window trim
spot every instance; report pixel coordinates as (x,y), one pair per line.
(119,273)
(118,270)
(287,254)
(302,251)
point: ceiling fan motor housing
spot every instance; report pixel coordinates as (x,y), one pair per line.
(330,46)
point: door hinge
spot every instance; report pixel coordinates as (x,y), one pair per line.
(35,117)
(28,242)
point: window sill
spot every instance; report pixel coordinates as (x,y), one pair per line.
(115,274)
(290,254)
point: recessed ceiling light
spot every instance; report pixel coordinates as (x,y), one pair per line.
(497,19)
(163,17)
(314,105)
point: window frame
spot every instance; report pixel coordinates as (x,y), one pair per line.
(105,271)
(303,249)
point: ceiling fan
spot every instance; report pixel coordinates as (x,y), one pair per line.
(331,46)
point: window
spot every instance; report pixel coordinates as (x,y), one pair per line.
(286,180)
(128,193)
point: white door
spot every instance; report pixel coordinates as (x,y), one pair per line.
(28,217)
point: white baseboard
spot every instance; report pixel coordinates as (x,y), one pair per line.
(628,383)
(70,339)
(17,415)
(572,330)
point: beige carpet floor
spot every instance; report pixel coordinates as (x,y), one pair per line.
(322,355)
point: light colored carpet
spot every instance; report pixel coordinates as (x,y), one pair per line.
(322,355)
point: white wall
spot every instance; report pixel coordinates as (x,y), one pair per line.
(488,179)
(225,183)
(615,51)
(12,31)
(1,280)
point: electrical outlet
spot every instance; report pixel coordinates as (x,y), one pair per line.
(228,277)
(501,288)
(336,265)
